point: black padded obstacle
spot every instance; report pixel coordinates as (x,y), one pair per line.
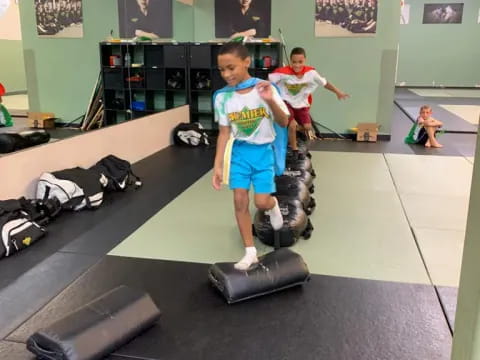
(296,224)
(14,142)
(295,188)
(278,270)
(299,162)
(98,328)
(302,149)
(305,176)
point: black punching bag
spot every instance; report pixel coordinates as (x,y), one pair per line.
(295,188)
(304,176)
(299,162)
(296,224)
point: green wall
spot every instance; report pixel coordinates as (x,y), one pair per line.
(340,60)
(61,73)
(445,54)
(12,67)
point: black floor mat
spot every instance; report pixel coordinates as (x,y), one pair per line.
(329,318)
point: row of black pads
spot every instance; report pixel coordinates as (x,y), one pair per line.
(112,320)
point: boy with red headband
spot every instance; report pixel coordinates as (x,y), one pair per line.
(297,82)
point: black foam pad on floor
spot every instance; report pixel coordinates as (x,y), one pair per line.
(331,318)
(275,271)
(98,328)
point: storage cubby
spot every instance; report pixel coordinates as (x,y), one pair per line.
(163,75)
(112,117)
(154,56)
(175,79)
(155,79)
(155,101)
(134,78)
(114,100)
(113,78)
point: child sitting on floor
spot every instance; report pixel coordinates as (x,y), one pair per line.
(425,129)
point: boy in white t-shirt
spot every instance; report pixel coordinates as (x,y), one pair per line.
(297,82)
(247,113)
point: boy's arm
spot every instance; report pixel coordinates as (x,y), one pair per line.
(275,78)
(271,96)
(340,94)
(433,122)
(223,136)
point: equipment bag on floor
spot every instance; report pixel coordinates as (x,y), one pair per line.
(118,172)
(98,328)
(17,230)
(191,135)
(75,188)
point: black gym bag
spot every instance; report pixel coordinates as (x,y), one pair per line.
(118,172)
(17,229)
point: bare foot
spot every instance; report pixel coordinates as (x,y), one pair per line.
(427,144)
(437,145)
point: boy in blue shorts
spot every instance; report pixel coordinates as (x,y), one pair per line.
(246,116)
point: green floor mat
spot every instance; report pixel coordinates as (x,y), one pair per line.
(360,229)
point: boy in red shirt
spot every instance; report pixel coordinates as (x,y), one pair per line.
(297,82)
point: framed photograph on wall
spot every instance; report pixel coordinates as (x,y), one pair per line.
(443,13)
(235,16)
(150,18)
(345,18)
(59,18)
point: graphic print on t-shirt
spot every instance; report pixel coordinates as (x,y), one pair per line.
(247,120)
(294,89)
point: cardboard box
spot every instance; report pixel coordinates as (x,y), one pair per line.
(41,120)
(367,132)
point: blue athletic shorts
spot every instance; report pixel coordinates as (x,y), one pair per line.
(251,163)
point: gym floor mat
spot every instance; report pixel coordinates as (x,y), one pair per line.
(329,318)
(470,113)
(448,300)
(452,123)
(442,251)
(431,92)
(435,190)
(350,188)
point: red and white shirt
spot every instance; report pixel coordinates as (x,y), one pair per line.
(297,90)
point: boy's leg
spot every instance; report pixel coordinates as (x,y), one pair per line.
(269,204)
(303,117)
(244,222)
(431,136)
(240,180)
(292,135)
(263,179)
(242,214)
(292,128)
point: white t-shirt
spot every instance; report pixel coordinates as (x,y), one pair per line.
(249,117)
(296,90)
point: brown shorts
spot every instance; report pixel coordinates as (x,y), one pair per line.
(301,115)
